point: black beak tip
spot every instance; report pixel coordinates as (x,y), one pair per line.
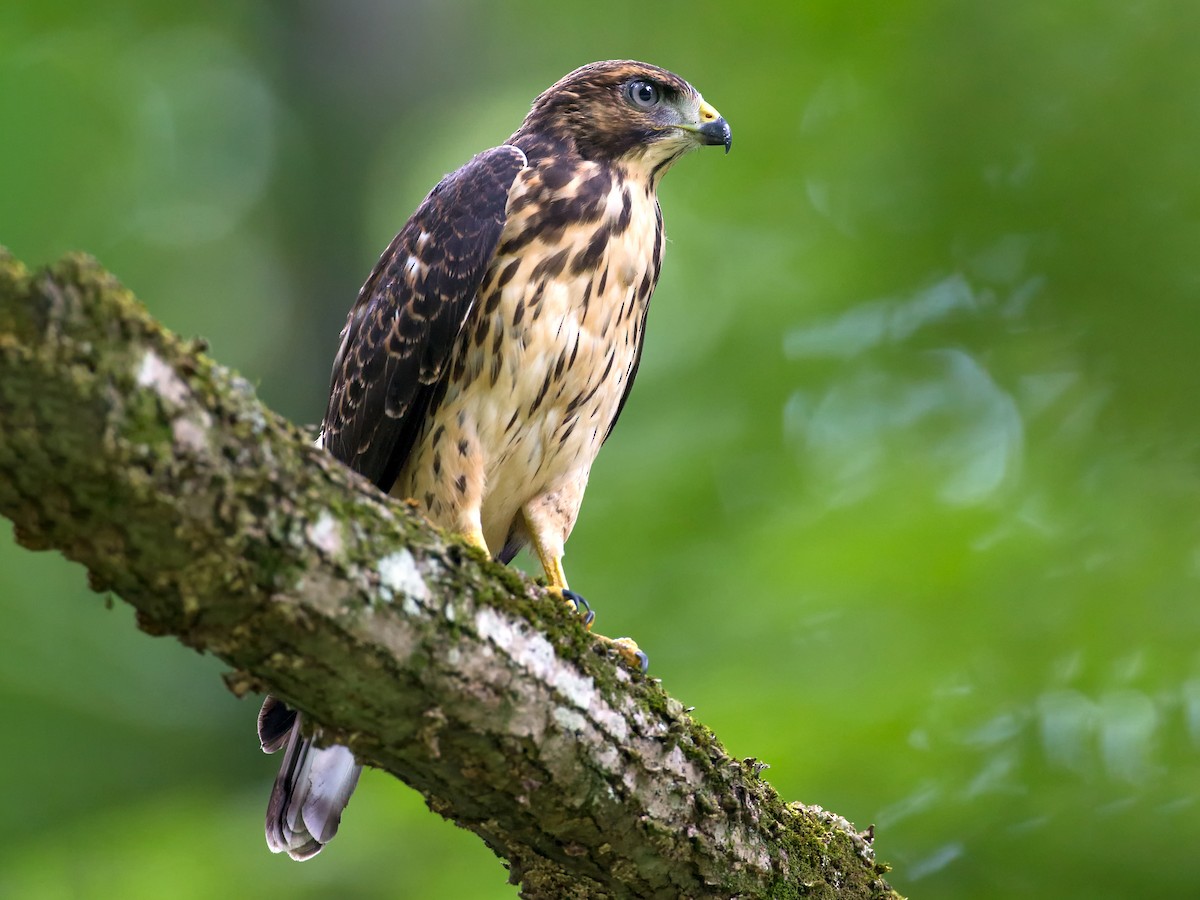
(717,133)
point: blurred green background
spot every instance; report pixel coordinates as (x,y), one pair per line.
(906,499)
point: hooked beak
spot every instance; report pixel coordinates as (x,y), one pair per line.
(713,129)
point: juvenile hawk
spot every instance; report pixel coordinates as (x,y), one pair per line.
(491,350)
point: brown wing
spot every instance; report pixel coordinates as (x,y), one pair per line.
(408,316)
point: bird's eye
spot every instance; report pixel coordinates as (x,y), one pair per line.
(644,94)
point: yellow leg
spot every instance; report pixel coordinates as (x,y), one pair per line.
(556,583)
(474,537)
(556,578)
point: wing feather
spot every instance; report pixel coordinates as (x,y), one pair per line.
(403,327)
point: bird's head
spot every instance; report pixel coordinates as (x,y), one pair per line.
(625,112)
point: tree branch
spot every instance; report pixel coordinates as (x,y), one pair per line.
(133,453)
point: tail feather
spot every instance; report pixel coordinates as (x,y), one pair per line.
(313,786)
(275,721)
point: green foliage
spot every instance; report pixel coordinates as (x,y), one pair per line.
(905,499)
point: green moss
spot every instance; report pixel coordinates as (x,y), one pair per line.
(144,424)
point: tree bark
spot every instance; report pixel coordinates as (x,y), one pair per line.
(133,453)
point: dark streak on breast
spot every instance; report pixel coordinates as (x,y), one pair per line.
(580,399)
(481,326)
(585,299)
(541,395)
(608,366)
(562,438)
(507,275)
(645,287)
(593,193)
(550,266)
(626,210)
(589,257)
(535,302)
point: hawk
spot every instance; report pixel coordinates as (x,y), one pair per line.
(493,347)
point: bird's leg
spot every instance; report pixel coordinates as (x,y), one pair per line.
(556,579)
(474,537)
(549,553)
(469,527)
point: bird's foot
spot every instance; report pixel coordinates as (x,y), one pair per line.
(632,655)
(581,606)
(626,648)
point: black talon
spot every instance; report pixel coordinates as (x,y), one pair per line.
(643,661)
(581,606)
(630,652)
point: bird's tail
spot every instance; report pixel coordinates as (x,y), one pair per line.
(313,787)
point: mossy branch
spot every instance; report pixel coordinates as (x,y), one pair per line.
(133,453)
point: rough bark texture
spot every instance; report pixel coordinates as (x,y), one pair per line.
(133,453)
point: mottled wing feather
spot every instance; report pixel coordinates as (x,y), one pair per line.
(408,316)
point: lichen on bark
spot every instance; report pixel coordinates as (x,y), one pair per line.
(133,453)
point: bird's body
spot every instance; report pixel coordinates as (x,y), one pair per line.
(539,372)
(491,350)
